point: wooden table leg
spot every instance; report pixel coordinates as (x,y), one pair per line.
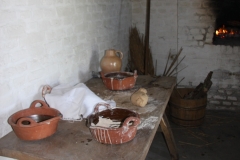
(165,127)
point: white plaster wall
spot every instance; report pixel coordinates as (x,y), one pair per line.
(52,42)
(163,27)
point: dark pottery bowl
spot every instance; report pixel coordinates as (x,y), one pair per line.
(126,131)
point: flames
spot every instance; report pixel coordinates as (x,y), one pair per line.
(226,32)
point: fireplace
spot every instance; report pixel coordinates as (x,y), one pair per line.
(227,26)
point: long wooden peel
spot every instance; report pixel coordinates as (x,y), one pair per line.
(180,81)
(177,89)
(179,93)
(180,70)
(169,54)
(176,66)
(173,62)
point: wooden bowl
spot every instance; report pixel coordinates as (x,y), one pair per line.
(119,80)
(35,123)
(129,120)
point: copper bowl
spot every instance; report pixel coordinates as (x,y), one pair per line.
(119,80)
(35,123)
(126,131)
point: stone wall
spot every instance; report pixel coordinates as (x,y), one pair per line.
(190,24)
(224,98)
(52,42)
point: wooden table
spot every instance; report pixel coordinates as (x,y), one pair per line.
(74,141)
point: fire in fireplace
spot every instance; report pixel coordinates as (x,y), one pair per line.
(227,26)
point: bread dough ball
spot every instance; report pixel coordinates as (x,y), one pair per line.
(140,97)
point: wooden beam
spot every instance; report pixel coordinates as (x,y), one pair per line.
(147,37)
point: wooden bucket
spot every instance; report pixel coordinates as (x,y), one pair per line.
(186,112)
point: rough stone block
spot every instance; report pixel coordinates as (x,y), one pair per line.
(19,81)
(49,13)
(6,101)
(209,96)
(205,18)
(215,102)
(196,4)
(35,2)
(235,50)
(232,98)
(229,92)
(221,91)
(31,39)
(220,97)
(37,14)
(223,85)
(9,45)
(185,3)
(198,37)
(13,31)
(65,11)
(236,103)
(5,90)
(226,103)
(7,16)
(235,86)
(5,59)
(49,2)
(200,43)
(25,14)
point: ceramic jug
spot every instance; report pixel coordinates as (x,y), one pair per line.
(111,61)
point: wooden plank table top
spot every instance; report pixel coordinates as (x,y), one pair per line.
(73,140)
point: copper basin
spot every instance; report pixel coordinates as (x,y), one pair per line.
(124,133)
(119,80)
(35,123)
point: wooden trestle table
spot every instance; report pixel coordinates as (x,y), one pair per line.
(73,140)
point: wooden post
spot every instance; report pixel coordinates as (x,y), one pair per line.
(147,37)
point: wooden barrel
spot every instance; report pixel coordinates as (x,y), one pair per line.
(186,112)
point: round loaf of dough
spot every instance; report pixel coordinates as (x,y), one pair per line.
(140,97)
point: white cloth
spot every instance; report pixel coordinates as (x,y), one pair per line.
(74,102)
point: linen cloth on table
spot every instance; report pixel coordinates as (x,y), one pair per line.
(74,101)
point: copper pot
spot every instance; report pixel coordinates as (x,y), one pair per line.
(35,123)
(119,80)
(124,133)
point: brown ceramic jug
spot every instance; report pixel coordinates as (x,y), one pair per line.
(111,61)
